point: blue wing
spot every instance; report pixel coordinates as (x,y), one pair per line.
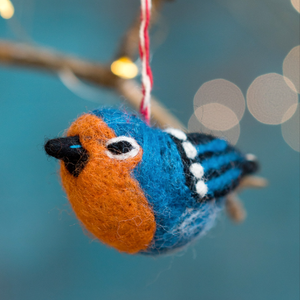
(212,166)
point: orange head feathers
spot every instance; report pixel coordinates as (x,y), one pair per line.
(104,196)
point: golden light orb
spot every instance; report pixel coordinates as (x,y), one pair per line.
(7,9)
(124,68)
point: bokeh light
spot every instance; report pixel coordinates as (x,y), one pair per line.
(6,9)
(216,116)
(270,100)
(224,93)
(290,130)
(296,4)
(232,135)
(291,68)
(124,68)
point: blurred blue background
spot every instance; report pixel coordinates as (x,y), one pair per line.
(44,253)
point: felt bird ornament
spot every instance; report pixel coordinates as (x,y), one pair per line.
(141,189)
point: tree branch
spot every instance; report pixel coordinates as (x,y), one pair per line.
(159,113)
(32,57)
(22,55)
(235,208)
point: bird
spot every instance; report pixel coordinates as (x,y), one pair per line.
(142,189)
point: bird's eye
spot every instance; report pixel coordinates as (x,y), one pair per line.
(122,147)
(119,147)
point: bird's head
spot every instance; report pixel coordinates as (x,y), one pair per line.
(96,171)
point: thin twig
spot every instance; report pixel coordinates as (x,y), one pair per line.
(234,208)
(33,57)
(252,182)
(159,113)
(14,54)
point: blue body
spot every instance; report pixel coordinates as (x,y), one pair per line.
(180,214)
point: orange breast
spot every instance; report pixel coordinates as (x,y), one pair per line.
(105,197)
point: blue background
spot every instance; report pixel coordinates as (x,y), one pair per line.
(44,253)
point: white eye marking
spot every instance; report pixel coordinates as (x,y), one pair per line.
(122,147)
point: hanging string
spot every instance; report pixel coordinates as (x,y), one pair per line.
(147,80)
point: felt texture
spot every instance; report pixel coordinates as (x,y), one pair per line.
(144,190)
(105,197)
(164,175)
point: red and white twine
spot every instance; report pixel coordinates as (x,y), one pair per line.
(147,80)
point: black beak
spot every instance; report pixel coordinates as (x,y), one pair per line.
(70,151)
